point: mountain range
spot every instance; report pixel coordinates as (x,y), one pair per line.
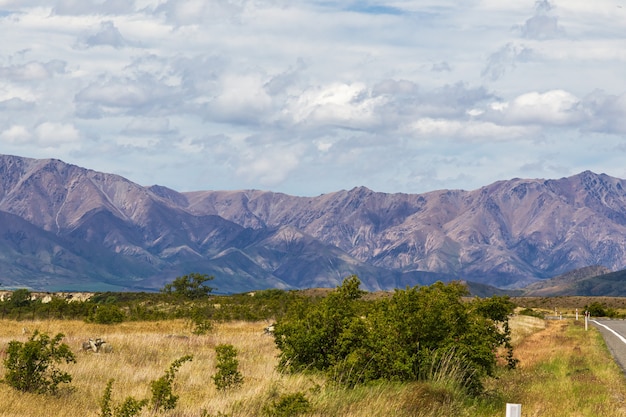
(63,227)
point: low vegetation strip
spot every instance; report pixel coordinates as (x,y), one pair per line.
(564,371)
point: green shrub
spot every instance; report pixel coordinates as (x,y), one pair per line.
(163,397)
(107,314)
(287,405)
(200,324)
(129,408)
(227,375)
(530,312)
(400,338)
(30,366)
(597,309)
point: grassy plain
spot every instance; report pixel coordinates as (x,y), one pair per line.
(563,371)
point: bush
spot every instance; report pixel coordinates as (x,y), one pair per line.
(200,324)
(129,408)
(530,312)
(319,336)
(163,397)
(287,405)
(107,314)
(597,309)
(227,375)
(30,366)
(401,338)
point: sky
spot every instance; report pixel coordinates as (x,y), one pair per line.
(312,97)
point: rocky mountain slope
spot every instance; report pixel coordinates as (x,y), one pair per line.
(66,227)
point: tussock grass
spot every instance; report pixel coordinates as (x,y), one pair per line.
(563,371)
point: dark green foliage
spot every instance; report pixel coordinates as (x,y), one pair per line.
(597,309)
(20,298)
(287,405)
(227,375)
(105,401)
(107,314)
(530,312)
(190,286)
(163,397)
(263,305)
(31,366)
(401,338)
(200,323)
(320,336)
(129,408)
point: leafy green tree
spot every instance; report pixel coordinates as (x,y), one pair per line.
(317,337)
(31,366)
(227,375)
(415,334)
(192,286)
(20,298)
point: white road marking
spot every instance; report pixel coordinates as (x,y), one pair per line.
(611,330)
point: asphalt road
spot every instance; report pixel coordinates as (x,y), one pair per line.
(614,333)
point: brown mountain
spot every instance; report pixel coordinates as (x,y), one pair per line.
(565,284)
(66,227)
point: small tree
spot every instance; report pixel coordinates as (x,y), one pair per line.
(30,366)
(190,286)
(20,298)
(163,397)
(227,375)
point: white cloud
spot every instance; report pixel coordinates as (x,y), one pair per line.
(15,135)
(543,24)
(32,71)
(51,133)
(107,35)
(242,99)
(607,112)
(269,165)
(556,107)
(344,105)
(104,7)
(153,126)
(468,130)
(270,93)
(189,12)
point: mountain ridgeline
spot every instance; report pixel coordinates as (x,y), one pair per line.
(63,227)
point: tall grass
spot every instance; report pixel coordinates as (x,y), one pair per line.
(563,371)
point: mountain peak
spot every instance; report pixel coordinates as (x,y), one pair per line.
(82,228)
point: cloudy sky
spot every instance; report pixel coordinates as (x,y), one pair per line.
(310,97)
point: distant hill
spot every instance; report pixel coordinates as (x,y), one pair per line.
(569,283)
(64,227)
(591,281)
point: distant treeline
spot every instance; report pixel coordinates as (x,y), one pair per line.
(115,307)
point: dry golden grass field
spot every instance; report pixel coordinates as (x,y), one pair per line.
(563,372)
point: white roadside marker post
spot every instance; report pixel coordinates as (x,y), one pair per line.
(513,410)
